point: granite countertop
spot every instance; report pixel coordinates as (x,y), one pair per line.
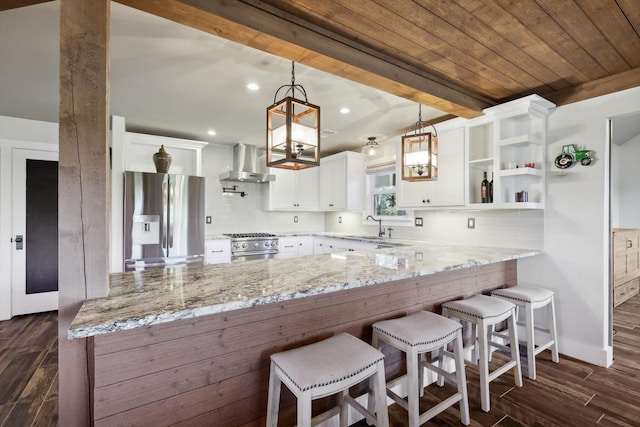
(138,299)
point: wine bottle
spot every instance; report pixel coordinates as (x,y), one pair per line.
(491,189)
(484,189)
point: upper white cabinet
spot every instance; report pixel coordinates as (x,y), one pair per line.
(448,189)
(342,182)
(186,155)
(292,190)
(509,143)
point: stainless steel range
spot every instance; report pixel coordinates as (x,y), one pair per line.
(250,246)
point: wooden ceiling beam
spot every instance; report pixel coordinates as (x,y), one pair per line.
(255,24)
(14,4)
(615,83)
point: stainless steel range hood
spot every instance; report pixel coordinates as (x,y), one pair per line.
(246,166)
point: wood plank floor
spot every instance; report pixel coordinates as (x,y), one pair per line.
(571,393)
(29,371)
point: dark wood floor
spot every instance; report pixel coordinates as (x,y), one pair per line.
(571,393)
(29,371)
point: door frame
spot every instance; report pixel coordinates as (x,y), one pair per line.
(6,182)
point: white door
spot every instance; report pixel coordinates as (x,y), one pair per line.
(34,272)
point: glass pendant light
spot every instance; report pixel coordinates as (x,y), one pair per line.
(371,148)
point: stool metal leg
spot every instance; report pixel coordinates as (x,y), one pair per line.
(344,409)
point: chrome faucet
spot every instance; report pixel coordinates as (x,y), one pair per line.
(379,221)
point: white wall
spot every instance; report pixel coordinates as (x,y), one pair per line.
(576,260)
(26,134)
(231,213)
(629,184)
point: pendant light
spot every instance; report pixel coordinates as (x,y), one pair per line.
(371,148)
(420,152)
(293,129)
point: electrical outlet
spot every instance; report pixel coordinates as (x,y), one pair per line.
(208,220)
(418,222)
(295,218)
(471,223)
(339,220)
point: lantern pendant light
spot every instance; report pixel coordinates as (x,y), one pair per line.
(293,129)
(420,152)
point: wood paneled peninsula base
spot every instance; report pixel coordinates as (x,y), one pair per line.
(191,346)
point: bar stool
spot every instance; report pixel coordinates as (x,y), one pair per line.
(416,335)
(484,312)
(325,368)
(531,298)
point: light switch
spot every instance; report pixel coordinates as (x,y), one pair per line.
(208,220)
(418,222)
(471,223)
(295,218)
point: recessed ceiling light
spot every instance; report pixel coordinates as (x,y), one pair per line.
(345,110)
(211,132)
(253,86)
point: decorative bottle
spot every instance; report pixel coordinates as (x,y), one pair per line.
(491,189)
(484,189)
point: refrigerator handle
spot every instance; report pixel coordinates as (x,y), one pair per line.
(170,212)
(165,216)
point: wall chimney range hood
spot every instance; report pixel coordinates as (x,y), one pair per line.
(246,166)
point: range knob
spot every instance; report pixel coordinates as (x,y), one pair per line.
(267,244)
(244,245)
(256,245)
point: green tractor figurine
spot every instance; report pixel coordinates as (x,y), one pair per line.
(569,155)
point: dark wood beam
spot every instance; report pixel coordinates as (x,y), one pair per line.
(83,190)
(592,89)
(258,25)
(14,4)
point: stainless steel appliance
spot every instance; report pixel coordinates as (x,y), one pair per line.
(250,246)
(163,220)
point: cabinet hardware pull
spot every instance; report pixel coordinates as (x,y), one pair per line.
(629,244)
(215,252)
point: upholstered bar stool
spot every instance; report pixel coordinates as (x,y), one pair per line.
(483,312)
(325,368)
(416,335)
(531,298)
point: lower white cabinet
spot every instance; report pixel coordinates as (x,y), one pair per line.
(295,246)
(217,251)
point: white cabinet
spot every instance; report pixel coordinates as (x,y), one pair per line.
(332,244)
(292,190)
(342,182)
(448,189)
(295,246)
(509,143)
(217,251)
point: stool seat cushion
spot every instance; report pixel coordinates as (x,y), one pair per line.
(326,362)
(480,307)
(419,328)
(526,294)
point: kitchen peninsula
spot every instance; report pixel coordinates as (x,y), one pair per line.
(191,346)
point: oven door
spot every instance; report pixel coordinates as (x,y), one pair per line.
(252,256)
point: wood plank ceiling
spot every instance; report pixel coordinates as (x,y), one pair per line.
(458,56)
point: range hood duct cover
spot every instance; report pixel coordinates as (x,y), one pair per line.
(247,167)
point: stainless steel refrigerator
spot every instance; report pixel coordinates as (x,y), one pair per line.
(163,220)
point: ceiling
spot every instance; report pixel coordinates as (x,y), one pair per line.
(378,58)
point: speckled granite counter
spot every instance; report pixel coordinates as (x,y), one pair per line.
(138,299)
